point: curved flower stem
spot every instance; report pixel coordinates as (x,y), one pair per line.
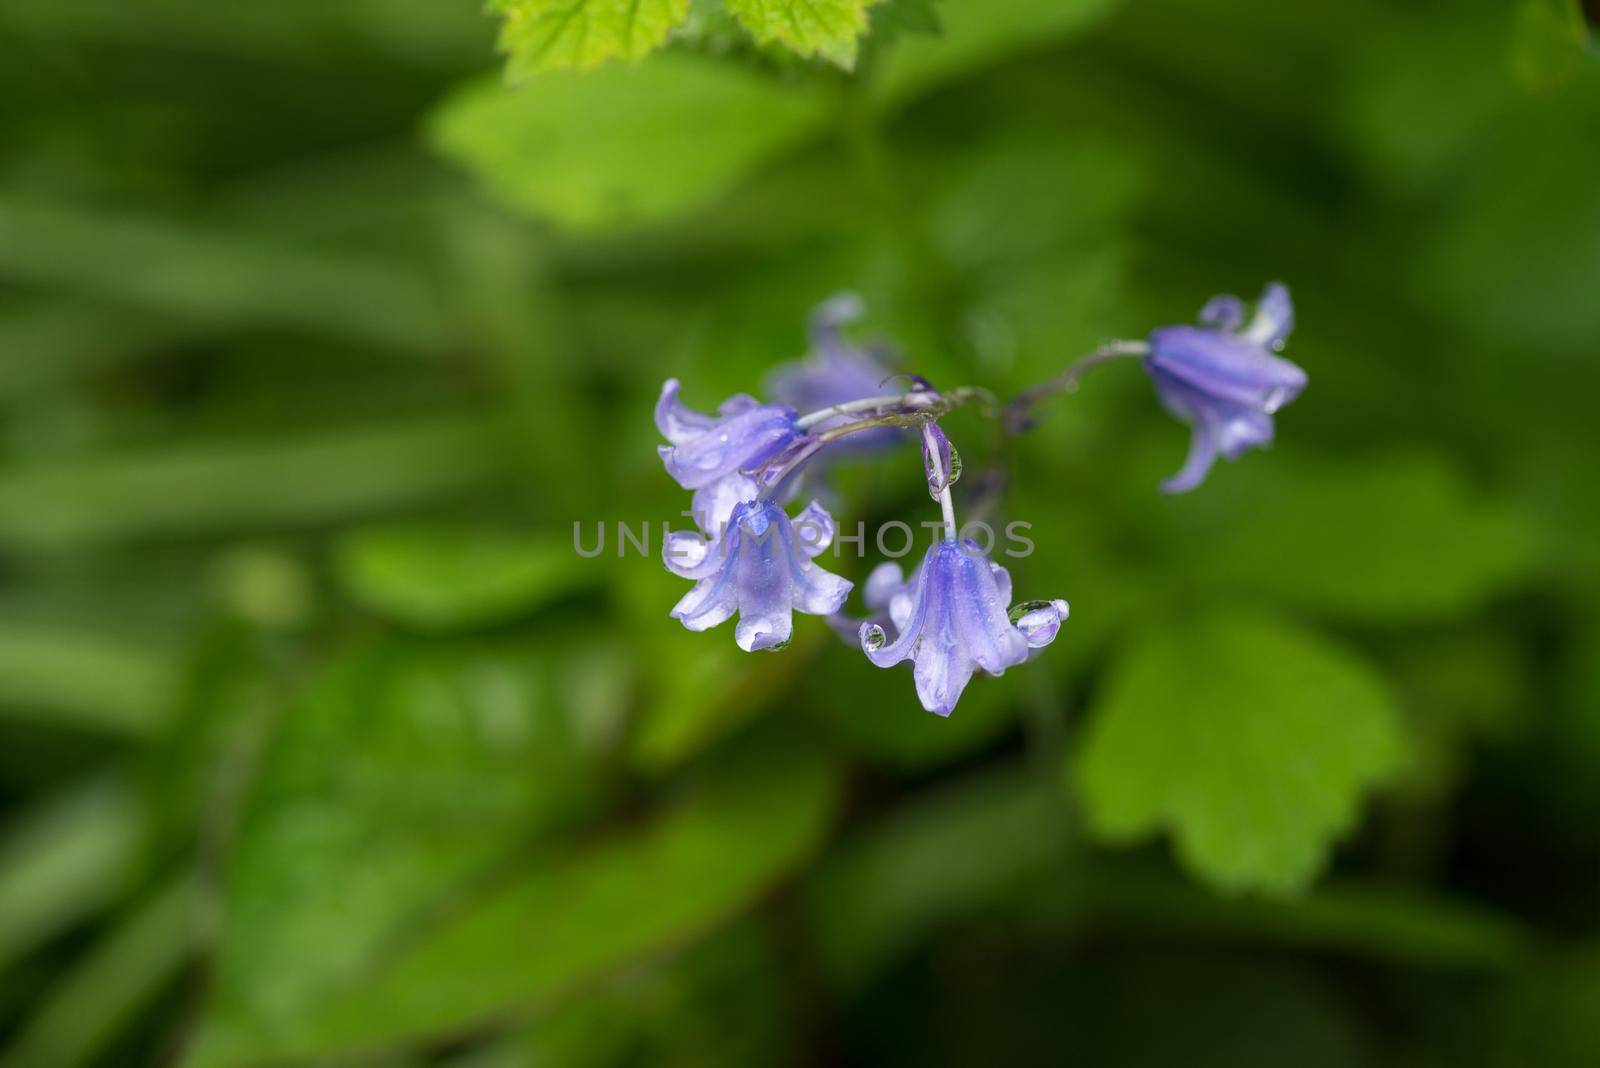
(914,399)
(1018,414)
(786,464)
(938,474)
(914,402)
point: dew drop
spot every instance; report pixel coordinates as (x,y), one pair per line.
(873,637)
(1039,621)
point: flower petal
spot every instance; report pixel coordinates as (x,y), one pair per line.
(1239,429)
(1002,583)
(980,623)
(710,602)
(814,530)
(1274,317)
(881,585)
(827,320)
(677,422)
(1202,454)
(819,593)
(688,554)
(1225,312)
(1222,365)
(763,576)
(713,504)
(740,441)
(941,676)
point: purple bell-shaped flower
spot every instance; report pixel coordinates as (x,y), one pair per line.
(760,567)
(835,371)
(707,448)
(952,620)
(1223,378)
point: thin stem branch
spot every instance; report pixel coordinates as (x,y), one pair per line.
(915,398)
(916,401)
(1019,412)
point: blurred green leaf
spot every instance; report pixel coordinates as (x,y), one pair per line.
(407,770)
(50,345)
(892,18)
(1395,924)
(1252,741)
(82,680)
(1549,43)
(219,277)
(699,687)
(546,35)
(623,146)
(719,1004)
(1396,538)
(826,28)
(887,887)
(220,486)
(884,722)
(423,33)
(64,859)
(1546,1016)
(558,921)
(452,578)
(105,990)
(977,33)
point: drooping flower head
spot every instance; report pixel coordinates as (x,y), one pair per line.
(1223,378)
(708,452)
(760,567)
(836,370)
(952,620)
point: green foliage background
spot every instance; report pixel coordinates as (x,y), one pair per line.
(320,745)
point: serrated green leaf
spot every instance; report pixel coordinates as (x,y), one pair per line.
(449,578)
(623,146)
(826,28)
(1251,740)
(557,921)
(545,35)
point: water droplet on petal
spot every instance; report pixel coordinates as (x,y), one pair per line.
(955,467)
(873,637)
(779,646)
(1039,621)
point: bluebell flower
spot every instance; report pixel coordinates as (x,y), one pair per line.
(835,371)
(952,620)
(705,449)
(760,567)
(1222,378)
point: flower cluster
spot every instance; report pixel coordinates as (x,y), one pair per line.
(953,616)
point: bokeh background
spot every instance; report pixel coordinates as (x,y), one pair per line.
(320,745)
